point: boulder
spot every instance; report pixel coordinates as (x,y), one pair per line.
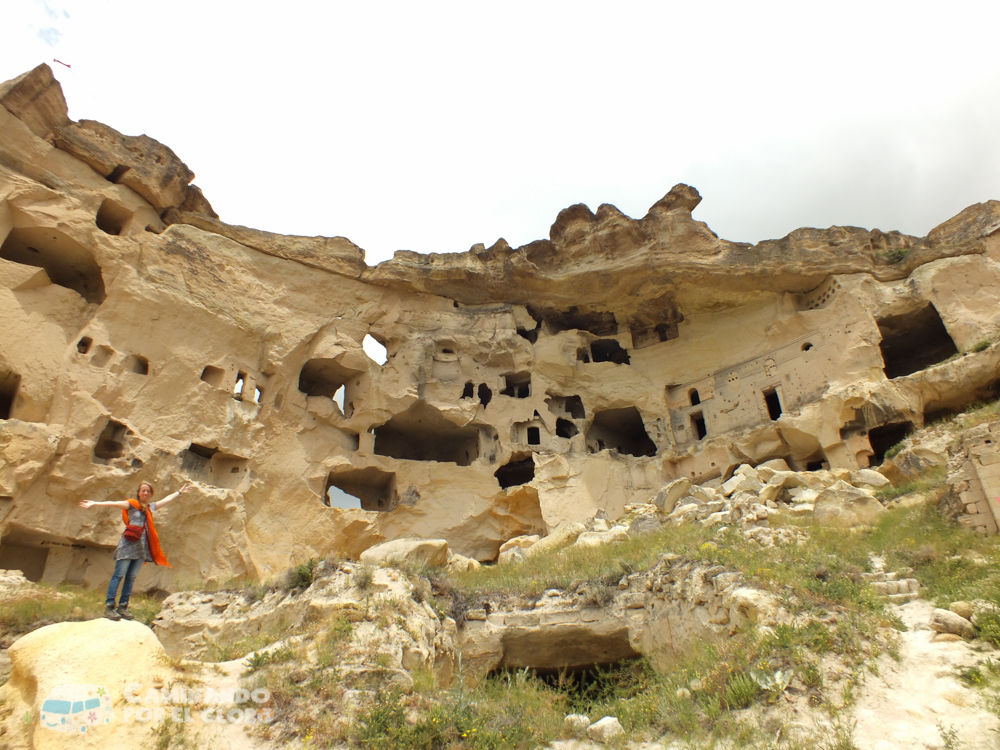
(430,552)
(512,555)
(605,730)
(599,538)
(944,621)
(462,564)
(845,506)
(562,536)
(577,724)
(963,609)
(81,658)
(667,497)
(868,478)
(524,541)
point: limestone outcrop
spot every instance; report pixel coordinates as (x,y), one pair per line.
(523,389)
(86,663)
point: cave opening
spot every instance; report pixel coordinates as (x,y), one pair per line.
(519,470)
(574,319)
(67,263)
(609,350)
(374,490)
(137,364)
(773,403)
(112,217)
(212,466)
(9,383)
(517,385)
(213,375)
(914,341)
(485,394)
(111,441)
(566,429)
(698,425)
(643,336)
(30,560)
(324,377)
(883,438)
(623,430)
(421,433)
(469,391)
(566,406)
(531,336)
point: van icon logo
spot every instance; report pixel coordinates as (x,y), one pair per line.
(76,708)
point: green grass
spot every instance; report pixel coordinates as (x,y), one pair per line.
(931,480)
(42,606)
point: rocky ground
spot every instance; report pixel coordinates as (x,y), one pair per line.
(390,620)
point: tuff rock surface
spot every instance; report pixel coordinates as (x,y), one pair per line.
(525,389)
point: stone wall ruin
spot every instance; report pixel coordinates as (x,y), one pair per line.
(146,340)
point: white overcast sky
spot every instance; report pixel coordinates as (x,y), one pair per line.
(433,126)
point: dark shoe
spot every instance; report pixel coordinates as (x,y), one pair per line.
(111,613)
(124,614)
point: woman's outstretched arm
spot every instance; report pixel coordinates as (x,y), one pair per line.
(170,498)
(108,503)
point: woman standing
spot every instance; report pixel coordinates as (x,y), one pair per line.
(132,553)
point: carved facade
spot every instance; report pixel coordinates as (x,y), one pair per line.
(145,340)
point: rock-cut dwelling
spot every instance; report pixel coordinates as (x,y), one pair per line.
(144,339)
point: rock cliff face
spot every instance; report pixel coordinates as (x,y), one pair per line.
(143,339)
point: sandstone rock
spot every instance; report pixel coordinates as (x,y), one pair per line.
(576,724)
(462,564)
(751,606)
(140,162)
(112,655)
(605,730)
(523,541)
(36,98)
(599,538)
(429,552)
(963,609)
(512,555)
(845,506)
(562,536)
(666,499)
(944,621)
(868,478)
(774,465)
(522,388)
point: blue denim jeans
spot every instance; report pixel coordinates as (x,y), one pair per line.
(129,569)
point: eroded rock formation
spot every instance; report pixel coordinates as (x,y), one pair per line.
(145,339)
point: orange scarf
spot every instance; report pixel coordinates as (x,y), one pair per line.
(154,540)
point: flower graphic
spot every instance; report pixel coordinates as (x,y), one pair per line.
(91,717)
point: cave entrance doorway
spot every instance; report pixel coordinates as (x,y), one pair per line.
(519,470)
(9,383)
(623,430)
(914,341)
(883,438)
(66,262)
(369,488)
(421,433)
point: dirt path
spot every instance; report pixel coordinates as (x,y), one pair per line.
(912,700)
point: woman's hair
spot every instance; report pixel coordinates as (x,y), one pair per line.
(151,490)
